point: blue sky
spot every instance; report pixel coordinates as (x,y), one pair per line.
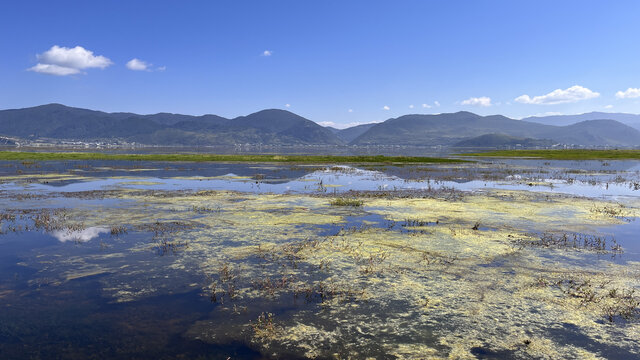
(342,62)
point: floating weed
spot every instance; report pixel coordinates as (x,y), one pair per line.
(346,202)
(600,296)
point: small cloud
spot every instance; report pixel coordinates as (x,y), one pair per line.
(267,53)
(436,103)
(410,106)
(327,123)
(573,94)
(426,106)
(287,105)
(386,108)
(350,110)
(608,106)
(138,65)
(161,68)
(52,69)
(478,101)
(630,93)
(64,61)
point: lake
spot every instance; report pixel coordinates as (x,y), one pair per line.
(502,258)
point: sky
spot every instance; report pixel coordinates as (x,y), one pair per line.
(338,63)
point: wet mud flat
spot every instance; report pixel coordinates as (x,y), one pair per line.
(510,259)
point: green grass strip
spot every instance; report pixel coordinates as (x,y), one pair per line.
(318,159)
(568,154)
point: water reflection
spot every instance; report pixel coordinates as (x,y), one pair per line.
(83,235)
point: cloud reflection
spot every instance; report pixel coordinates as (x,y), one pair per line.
(79,235)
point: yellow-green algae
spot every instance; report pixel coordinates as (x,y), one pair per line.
(427,292)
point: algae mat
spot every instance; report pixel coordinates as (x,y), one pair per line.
(442,274)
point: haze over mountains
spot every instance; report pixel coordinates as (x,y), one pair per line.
(284,128)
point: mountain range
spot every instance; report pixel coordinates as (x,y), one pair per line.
(280,127)
(632,120)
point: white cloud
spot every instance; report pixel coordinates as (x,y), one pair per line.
(350,110)
(327,123)
(477,101)
(608,106)
(63,61)
(138,65)
(267,53)
(287,105)
(386,108)
(51,69)
(436,103)
(79,235)
(630,93)
(161,68)
(573,94)
(426,106)
(410,106)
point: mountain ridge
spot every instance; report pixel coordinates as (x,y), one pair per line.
(281,127)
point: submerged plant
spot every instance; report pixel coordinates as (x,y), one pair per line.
(264,327)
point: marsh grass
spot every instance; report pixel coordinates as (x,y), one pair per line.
(329,159)
(564,154)
(341,201)
(596,243)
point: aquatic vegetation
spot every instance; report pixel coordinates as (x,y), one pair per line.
(564,154)
(43,156)
(346,202)
(264,327)
(413,273)
(597,243)
(614,210)
(118,230)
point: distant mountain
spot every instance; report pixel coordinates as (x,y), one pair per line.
(632,120)
(443,129)
(350,133)
(274,127)
(502,140)
(595,132)
(55,121)
(448,129)
(280,127)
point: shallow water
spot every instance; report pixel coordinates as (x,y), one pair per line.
(163,260)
